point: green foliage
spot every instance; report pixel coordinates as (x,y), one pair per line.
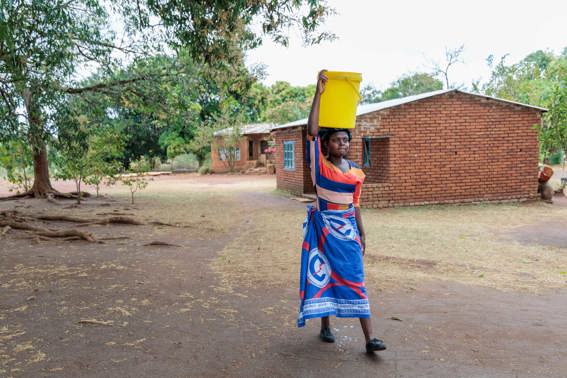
(406,85)
(39,45)
(206,167)
(16,159)
(136,178)
(44,44)
(369,94)
(86,151)
(211,28)
(539,79)
(287,103)
(185,162)
(106,147)
(72,147)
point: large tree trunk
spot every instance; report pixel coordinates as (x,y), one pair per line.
(41,184)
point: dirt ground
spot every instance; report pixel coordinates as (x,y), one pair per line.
(456,291)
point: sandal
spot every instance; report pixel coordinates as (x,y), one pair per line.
(375,345)
(326,335)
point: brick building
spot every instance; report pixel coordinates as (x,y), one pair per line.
(446,146)
(250,152)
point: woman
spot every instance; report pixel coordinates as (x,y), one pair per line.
(332,276)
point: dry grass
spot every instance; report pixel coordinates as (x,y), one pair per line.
(466,244)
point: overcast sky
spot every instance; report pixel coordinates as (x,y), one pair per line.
(385,39)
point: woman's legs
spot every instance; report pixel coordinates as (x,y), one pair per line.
(366,325)
(325,322)
(326,335)
(372,345)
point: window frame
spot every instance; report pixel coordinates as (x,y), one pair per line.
(223,154)
(290,150)
(366,152)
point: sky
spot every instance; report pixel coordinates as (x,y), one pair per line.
(386,39)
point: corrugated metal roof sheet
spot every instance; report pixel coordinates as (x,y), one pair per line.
(369,108)
(253,128)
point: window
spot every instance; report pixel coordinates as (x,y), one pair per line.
(366,157)
(289,155)
(234,152)
(376,158)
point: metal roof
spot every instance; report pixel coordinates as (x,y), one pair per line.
(369,108)
(253,128)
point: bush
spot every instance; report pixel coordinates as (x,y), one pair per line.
(156,163)
(164,167)
(185,162)
(140,165)
(161,167)
(204,170)
(206,167)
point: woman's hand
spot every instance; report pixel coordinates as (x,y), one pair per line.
(321,81)
(363,242)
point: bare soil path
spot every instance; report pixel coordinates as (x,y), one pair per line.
(122,309)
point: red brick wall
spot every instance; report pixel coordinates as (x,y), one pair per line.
(450,148)
(220,166)
(296,181)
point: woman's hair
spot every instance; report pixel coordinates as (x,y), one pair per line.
(325,133)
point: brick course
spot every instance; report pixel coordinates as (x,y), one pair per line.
(450,148)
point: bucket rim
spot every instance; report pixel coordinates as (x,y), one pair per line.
(344,75)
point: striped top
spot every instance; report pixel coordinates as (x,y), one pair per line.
(336,190)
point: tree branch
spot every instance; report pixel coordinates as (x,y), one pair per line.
(102,86)
(109,45)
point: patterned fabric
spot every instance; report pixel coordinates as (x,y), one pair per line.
(335,190)
(332,276)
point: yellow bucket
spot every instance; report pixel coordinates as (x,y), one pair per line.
(339,100)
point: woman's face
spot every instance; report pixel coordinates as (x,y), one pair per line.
(338,144)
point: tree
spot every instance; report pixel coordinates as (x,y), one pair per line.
(538,79)
(287,103)
(406,85)
(72,148)
(452,57)
(229,122)
(369,94)
(43,44)
(136,178)
(413,84)
(556,118)
(106,146)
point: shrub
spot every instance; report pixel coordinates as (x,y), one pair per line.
(164,167)
(156,163)
(206,167)
(204,170)
(136,180)
(185,162)
(140,165)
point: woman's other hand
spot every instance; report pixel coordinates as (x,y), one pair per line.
(321,81)
(363,242)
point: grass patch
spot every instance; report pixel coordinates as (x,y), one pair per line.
(467,244)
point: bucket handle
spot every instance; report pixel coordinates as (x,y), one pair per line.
(354,88)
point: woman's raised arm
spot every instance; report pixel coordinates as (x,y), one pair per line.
(313,120)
